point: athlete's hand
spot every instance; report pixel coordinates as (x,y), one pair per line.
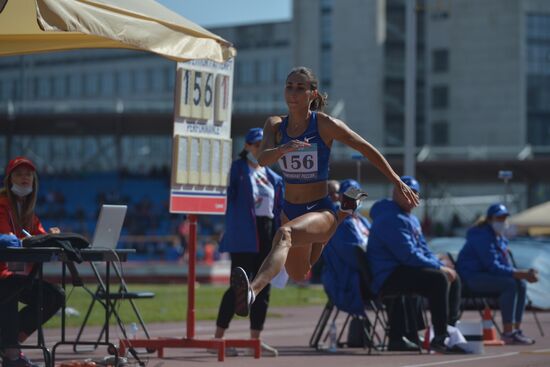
(407,194)
(293,145)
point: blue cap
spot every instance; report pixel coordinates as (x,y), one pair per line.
(346,184)
(497,210)
(254,135)
(411,182)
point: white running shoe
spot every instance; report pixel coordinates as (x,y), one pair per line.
(267,351)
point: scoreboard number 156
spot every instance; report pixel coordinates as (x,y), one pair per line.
(203,95)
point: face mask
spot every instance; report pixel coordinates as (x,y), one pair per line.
(251,158)
(21,191)
(499,227)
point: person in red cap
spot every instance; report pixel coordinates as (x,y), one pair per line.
(17,217)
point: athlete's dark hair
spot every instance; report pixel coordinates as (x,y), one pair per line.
(319,103)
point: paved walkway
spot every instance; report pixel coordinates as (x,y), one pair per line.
(290,334)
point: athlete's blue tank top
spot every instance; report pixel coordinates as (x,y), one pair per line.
(309,164)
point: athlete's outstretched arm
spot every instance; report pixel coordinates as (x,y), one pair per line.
(338,130)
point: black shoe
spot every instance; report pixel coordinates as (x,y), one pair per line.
(438,345)
(351,198)
(402,345)
(243,294)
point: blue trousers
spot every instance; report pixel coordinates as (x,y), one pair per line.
(511,293)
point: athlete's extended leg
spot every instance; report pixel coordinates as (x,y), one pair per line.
(301,231)
(313,227)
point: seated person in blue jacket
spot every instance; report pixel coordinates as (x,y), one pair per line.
(401,261)
(484,266)
(254,199)
(341,273)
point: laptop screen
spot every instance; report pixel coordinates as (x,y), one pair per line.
(109,225)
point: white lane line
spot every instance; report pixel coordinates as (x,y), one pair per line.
(463,360)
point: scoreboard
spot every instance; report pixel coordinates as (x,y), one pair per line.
(202,149)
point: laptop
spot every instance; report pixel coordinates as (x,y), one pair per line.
(108,227)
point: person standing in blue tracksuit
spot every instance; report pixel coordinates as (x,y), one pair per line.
(401,261)
(254,199)
(341,272)
(484,266)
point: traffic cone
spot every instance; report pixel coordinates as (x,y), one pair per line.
(489,332)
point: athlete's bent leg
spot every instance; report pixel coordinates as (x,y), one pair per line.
(313,227)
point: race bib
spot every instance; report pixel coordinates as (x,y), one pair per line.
(300,164)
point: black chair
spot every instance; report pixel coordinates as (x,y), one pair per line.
(478,301)
(373,304)
(377,303)
(331,310)
(121,294)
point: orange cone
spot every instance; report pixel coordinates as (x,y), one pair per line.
(489,331)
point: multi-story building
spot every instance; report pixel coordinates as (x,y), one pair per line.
(482,85)
(482,93)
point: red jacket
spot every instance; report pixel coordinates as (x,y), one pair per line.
(7,225)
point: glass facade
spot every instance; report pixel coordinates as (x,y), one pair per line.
(325,63)
(394,76)
(538,79)
(53,154)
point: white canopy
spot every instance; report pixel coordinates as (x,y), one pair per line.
(536,216)
(29,26)
(535,220)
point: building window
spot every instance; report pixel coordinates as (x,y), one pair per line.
(143,81)
(124,83)
(538,44)
(326,29)
(538,78)
(91,84)
(7,90)
(326,5)
(158,80)
(265,72)
(107,84)
(394,132)
(440,133)
(440,97)
(440,60)
(326,68)
(44,88)
(246,72)
(282,67)
(75,85)
(59,86)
